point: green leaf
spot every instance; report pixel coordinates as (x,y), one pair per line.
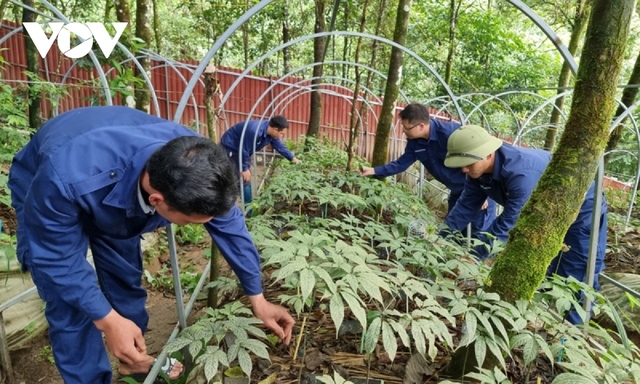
(245,361)
(389,341)
(336,308)
(529,351)
(480,350)
(307,283)
(356,307)
(373,335)
(418,338)
(292,267)
(402,333)
(257,347)
(572,378)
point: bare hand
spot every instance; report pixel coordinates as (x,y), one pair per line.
(246,176)
(367,171)
(485,205)
(295,160)
(124,338)
(274,317)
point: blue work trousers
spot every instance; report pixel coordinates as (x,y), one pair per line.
(574,262)
(77,345)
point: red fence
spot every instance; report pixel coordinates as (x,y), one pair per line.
(253,97)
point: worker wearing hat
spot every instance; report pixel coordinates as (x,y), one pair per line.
(427,143)
(508,175)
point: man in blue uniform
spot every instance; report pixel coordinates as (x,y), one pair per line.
(508,175)
(100,177)
(427,142)
(257,135)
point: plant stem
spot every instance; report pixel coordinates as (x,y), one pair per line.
(295,352)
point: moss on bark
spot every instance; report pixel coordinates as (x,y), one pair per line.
(554,205)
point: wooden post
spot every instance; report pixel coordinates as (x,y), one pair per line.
(6,371)
(210,84)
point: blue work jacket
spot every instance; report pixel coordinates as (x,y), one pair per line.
(256,129)
(431,154)
(515,174)
(78,177)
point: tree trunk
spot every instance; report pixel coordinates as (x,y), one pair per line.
(554,204)
(286,36)
(453,23)
(354,121)
(382,13)
(143,32)
(156,26)
(107,10)
(245,37)
(344,68)
(33,66)
(123,12)
(214,274)
(381,144)
(315,108)
(628,98)
(579,27)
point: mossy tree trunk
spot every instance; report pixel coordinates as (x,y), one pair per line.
(143,32)
(537,237)
(381,143)
(579,26)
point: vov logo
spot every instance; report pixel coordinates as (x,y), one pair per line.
(86,32)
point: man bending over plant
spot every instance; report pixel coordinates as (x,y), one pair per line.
(100,177)
(427,142)
(508,175)
(257,135)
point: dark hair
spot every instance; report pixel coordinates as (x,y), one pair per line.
(194,175)
(415,113)
(279,122)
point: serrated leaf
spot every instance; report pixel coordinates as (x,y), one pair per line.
(356,307)
(529,351)
(500,327)
(324,275)
(572,378)
(210,368)
(418,338)
(493,347)
(176,345)
(291,268)
(471,332)
(336,309)
(372,335)
(257,347)
(307,283)
(520,339)
(402,333)
(485,324)
(480,349)
(244,360)
(389,341)
(369,286)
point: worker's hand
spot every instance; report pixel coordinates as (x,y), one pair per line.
(246,176)
(124,338)
(274,317)
(367,171)
(485,205)
(295,160)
